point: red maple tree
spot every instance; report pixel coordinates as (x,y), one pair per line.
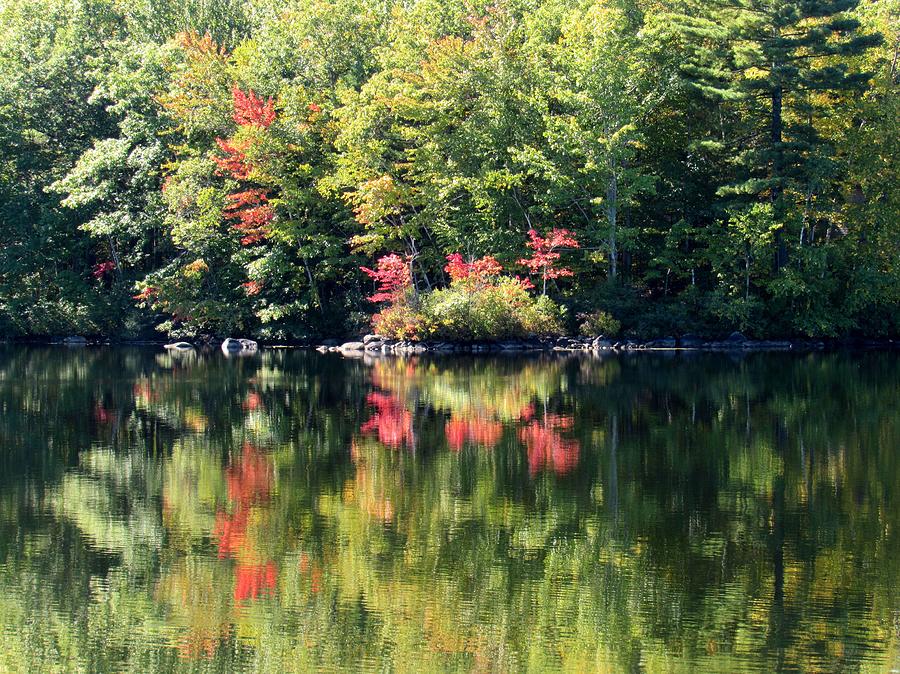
(545,253)
(101,269)
(476,272)
(252,288)
(250,208)
(252,110)
(253,214)
(392,275)
(235,162)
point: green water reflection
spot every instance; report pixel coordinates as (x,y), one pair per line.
(290,511)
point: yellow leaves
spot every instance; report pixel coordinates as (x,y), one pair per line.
(201,46)
(378,199)
(195,269)
(366,242)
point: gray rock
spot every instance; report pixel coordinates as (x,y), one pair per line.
(736,337)
(663,343)
(76,340)
(179,346)
(230,345)
(511,346)
(602,343)
(767,345)
(690,341)
(371,338)
(248,345)
(352,346)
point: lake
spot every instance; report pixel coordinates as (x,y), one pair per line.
(291,511)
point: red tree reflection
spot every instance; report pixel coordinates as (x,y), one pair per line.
(249,481)
(546,448)
(391,422)
(478,431)
(255,580)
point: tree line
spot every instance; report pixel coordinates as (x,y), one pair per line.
(199,167)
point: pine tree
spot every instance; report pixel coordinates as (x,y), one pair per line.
(772,64)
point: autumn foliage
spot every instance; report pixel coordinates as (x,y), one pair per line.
(477,272)
(248,208)
(252,110)
(545,254)
(480,303)
(252,213)
(392,278)
(101,269)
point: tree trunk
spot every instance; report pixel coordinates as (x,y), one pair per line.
(746,271)
(777,172)
(612,193)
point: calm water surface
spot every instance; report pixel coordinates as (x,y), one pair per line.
(290,511)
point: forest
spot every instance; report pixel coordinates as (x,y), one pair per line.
(285,169)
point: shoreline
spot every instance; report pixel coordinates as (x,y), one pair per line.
(375,345)
(372,344)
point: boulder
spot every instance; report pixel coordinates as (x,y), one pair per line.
(352,346)
(179,346)
(601,343)
(690,342)
(511,346)
(768,345)
(76,340)
(736,337)
(248,345)
(231,345)
(371,338)
(663,343)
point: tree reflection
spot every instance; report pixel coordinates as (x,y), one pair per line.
(546,446)
(289,512)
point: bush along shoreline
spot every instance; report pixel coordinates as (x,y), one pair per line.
(485,309)
(482,309)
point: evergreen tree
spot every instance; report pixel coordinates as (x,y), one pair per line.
(773,65)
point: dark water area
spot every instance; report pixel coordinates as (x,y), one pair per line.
(291,511)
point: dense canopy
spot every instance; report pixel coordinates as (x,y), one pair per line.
(212,167)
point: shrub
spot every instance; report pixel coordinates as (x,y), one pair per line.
(479,304)
(599,323)
(496,310)
(400,320)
